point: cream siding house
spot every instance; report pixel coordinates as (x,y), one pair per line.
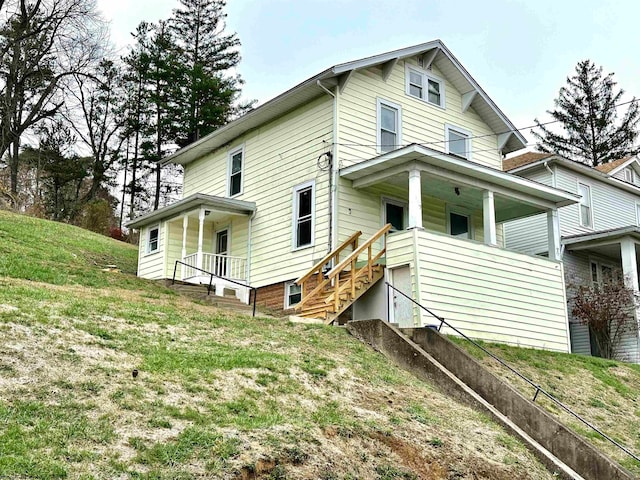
(599,234)
(405,138)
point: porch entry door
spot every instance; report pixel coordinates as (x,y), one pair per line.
(220,263)
(402,306)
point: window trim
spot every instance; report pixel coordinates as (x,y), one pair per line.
(631,174)
(462,211)
(398,108)
(230,156)
(638,213)
(463,131)
(426,76)
(287,285)
(298,188)
(147,248)
(590,226)
(384,200)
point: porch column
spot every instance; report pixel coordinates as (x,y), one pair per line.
(489,216)
(415,199)
(629,266)
(185,226)
(553,230)
(200,237)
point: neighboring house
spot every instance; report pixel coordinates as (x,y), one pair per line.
(599,235)
(406,138)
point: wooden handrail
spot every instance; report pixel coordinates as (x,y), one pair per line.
(350,260)
(318,266)
(356,253)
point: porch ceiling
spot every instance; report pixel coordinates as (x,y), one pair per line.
(216,206)
(442,173)
(453,193)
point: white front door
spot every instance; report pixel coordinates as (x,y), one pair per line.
(402,306)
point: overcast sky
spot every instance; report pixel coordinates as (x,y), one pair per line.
(519,51)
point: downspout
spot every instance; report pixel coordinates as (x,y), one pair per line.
(253,215)
(333,172)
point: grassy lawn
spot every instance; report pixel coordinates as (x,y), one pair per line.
(606,393)
(216,395)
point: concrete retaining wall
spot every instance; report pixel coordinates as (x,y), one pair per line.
(436,359)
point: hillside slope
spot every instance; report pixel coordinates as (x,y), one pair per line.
(215,395)
(604,392)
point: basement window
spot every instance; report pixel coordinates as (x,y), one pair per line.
(292,294)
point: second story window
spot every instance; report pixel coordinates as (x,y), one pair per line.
(425,86)
(629,175)
(458,141)
(236,163)
(586,216)
(389,131)
(303,207)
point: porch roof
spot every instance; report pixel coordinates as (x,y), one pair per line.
(458,171)
(197,200)
(602,237)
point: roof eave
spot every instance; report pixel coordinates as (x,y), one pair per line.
(230,205)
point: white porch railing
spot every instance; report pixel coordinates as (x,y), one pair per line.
(189,270)
(224,266)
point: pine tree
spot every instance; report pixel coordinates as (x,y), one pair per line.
(207,53)
(587,109)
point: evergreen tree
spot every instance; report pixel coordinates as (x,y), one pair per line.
(207,53)
(587,110)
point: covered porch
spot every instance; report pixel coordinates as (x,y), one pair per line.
(597,257)
(447,251)
(205,235)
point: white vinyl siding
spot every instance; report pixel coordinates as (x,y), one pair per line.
(611,208)
(487,293)
(151,263)
(282,153)
(422,122)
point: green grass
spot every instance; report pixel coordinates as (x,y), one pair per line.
(215,393)
(604,392)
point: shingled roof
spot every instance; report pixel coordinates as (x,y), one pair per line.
(607,167)
(524,159)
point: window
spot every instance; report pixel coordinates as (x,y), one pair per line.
(236,159)
(395,213)
(303,208)
(389,131)
(425,86)
(602,273)
(153,239)
(292,294)
(459,225)
(458,141)
(585,205)
(638,214)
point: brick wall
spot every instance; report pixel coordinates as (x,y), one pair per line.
(272,296)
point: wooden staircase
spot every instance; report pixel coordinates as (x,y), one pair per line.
(326,295)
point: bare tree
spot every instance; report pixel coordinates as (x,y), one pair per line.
(100,102)
(43,44)
(607,309)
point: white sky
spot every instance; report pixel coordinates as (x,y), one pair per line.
(519,51)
